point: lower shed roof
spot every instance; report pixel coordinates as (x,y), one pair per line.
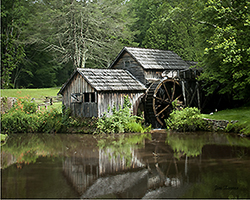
(108,80)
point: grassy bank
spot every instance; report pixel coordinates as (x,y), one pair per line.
(38,94)
(242,115)
(33,93)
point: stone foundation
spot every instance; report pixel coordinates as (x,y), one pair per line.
(217,125)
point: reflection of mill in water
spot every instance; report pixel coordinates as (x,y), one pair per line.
(102,172)
(84,168)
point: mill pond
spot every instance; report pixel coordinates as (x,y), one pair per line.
(159,164)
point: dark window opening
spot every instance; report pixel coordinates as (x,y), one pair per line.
(126,64)
(86,97)
(89,97)
(92,97)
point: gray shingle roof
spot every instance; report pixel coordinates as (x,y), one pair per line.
(109,80)
(154,58)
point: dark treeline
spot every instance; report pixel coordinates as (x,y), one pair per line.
(43,41)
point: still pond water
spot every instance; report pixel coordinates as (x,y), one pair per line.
(155,165)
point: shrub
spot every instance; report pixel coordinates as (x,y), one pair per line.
(24,117)
(187,119)
(120,120)
(25,105)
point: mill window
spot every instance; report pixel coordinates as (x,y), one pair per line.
(126,63)
(92,97)
(86,97)
(89,97)
(76,98)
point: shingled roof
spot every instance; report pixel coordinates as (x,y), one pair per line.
(108,80)
(154,58)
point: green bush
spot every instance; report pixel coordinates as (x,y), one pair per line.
(187,119)
(120,120)
(3,137)
(24,117)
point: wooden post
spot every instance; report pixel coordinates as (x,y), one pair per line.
(184,93)
(195,90)
(198,95)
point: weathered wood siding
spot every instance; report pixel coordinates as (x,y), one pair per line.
(80,86)
(153,74)
(107,99)
(128,63)
(103,100)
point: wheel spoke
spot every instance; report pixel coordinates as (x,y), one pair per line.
(158,106)
(162,94)
(173,92)
(162,110)
(178,97)
(159,98)
(166,90)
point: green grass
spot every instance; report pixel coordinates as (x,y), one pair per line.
(33,93)
(241,114)
(39,94)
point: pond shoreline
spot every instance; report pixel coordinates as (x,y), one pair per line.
(25,117)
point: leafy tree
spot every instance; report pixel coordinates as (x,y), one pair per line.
(176,29)
(81,32)
(14,16)
(226,29)
(144,13)
(38,69)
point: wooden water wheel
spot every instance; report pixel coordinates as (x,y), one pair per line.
(161,97)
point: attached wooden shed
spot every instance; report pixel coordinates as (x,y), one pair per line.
(89,92)
(149,65)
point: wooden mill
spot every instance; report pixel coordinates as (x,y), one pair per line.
(155,80)
(170,81)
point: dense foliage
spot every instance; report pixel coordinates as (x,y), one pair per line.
(227,47)
(43,41)
(27,117)
(120,121)
(187,119)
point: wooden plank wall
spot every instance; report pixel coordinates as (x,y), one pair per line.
(79,85)
(128,63)
(106,99)
(153,74)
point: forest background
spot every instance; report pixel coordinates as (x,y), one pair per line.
(43,41)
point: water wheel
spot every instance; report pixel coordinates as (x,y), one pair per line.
(161,97)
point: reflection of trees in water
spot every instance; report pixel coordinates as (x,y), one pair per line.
(162,165)
(118,154)
(191,145)
(125,164)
